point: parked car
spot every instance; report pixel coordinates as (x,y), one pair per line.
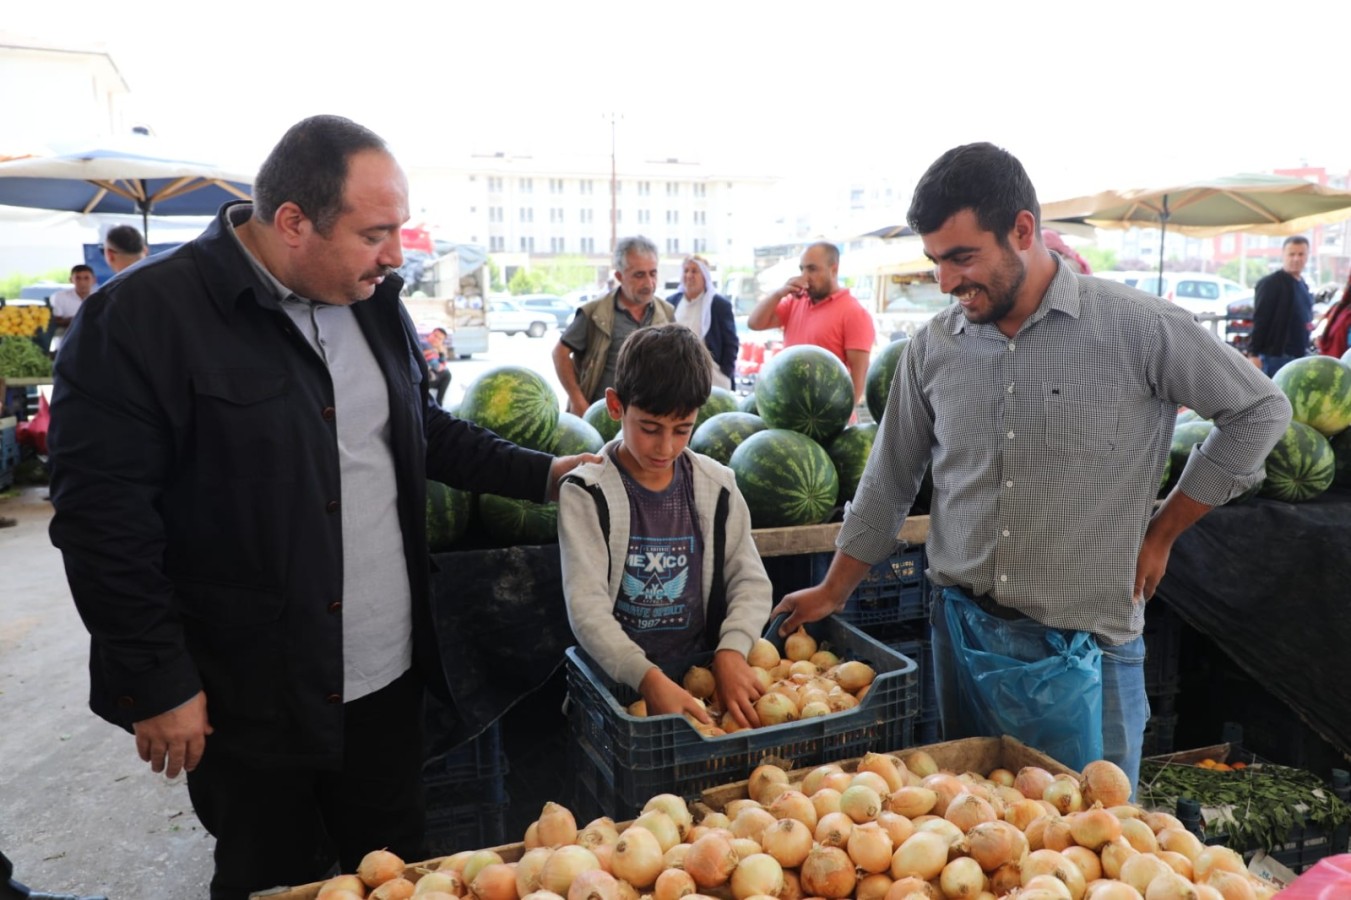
(508,317)
(552,304)
(1196,292)
(1129,278)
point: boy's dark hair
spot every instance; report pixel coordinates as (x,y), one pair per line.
(664,370)
(81,267)
(124,239)
(309,168)
(983,178)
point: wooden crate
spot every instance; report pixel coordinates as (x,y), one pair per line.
(508,852)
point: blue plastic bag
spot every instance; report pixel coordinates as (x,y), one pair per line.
(1040,685)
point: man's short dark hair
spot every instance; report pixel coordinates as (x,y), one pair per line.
(664,370)
(444,333)
(832,252)
(80,267)
(1294,239)
(308,167)
(124,239)
(983,178)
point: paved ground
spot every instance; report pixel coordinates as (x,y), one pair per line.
(79,812)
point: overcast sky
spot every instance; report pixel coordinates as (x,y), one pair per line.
(1090,95)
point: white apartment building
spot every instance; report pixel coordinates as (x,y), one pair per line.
(526,209)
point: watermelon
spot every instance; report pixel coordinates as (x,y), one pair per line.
(849,451)
(1341,449)
(1185,437)
(786,478)
(516,403)
(1188,415)
(720,400)
(881,373)
(1346,357)
(747,404)
(807,390)
(448,512)
(1301,466)
(721,435)
(510,521)
(598,417)
(574,436)
(1167,473)
(1319,388)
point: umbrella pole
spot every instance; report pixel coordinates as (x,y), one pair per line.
(1163,232)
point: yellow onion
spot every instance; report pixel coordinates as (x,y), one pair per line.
(838,781)
(637,857)
(825,800)
(799,645)
(435,885)
(598,831)
(675,857)
(1094,827)
(556,825)
(794,805)
(1177,862)
(872,887)
(1104,782)
(379,866)
(860,803)
(757,874)
(659,823)
(676,808)
(1114,855)
(456,862)
(1023,813)
(672,884)
(762,775)
(788,841)
(833,829)
(1142,868)
(476,861)
(828,872)
(962,877)
(887,766)
(870,847)
(352,884)
(1231,885)
(1088,862)
(395,889)
(744,847)
(815,779)
(1002,776)
(1171,886)
(734,807)
(1063,794)
(912,887)
(1216,858)
(1180,840)
(1006,879)
(751,823)
(1032,781)
(711,860)
(1161,820)
(897,826)
(966,811)
(565,864)
(763,655)
(792,886)
(699,682)
(497,881)
(1113,890)
(946,787)
(920,762)
(1139,835)
(528,869)
(990,845)
(1047,886)
(853,675)
(924,855)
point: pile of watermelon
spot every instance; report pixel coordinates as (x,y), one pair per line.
(1314,454)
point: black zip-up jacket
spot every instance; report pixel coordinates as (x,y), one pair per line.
(1278,323)
(195,480)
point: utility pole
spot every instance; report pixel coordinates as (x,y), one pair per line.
(614,185)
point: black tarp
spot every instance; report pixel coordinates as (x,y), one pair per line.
(1270,584)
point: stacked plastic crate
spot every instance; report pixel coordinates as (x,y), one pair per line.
(1163,638)
(466,793)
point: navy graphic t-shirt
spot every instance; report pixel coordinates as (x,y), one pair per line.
(661,602)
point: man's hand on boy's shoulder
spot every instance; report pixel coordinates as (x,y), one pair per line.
(562,465)
(663,696)
(737,687)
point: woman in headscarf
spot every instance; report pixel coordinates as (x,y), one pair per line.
(708,315)
(1336,336)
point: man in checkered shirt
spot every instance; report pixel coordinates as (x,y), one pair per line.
(1045,401)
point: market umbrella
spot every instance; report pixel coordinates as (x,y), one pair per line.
(1261,204)
(135,173)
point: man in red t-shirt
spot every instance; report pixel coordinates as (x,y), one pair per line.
(812,308)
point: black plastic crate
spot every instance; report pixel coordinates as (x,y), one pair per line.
(628,759)
(470,826)
(481,759)
(1163,641)
(913,639)
(1159,735)
(893,591)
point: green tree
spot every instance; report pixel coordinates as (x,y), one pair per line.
(1101,260)
(1255,269)
(495,277)
(526,281)
(10,285)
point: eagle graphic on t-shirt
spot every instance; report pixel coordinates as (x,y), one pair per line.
(654,588)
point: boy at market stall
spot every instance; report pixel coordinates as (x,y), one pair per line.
(682,574)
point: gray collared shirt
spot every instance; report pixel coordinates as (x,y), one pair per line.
(1047,448)
(377,633)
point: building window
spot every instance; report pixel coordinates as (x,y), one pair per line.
(619,216)
(588,245)
(527,214)
(644,188)
(555,245)
(672,217)
(556,214)
(586,186)
(700,245)
(527,185)
(588,216)
(699,217)
(555,185)
(672,189)
(495,214)
(644,216)
(700,190)
(673,246)
(527,245)
(497,243)
(494,184)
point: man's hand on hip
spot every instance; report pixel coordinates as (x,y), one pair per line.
(174,741)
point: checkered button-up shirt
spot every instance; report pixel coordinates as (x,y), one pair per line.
(1047,448)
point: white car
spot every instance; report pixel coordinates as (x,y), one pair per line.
(1196,292)
(507,317)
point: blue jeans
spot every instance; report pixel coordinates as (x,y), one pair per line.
(1125,707)
(1271,363)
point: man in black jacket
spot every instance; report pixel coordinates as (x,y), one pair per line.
(242,433)
(1282,310)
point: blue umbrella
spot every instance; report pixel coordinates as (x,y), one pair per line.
(135,174)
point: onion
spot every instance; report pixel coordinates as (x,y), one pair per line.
(1036,830)
(1049,862)
(828,872)
(428,894)
(962,877)
(1171,886)
(1178,863)
(556,825)
(672,884)
(897,826)
(990,845)
(477,860)
(542,895)
(815,779)
(1023,813)
(758,873)
(1139,835)
(921,763)
(872,887)
(842,702)
(761,775)
(788,841)
(565,864)
(1206,892)
(825,800)
(734,807)
(1047,885)
(605,854)
(824,659)
(946,787)
(531,840)
(763,655)
(342,893)
(675,857)
(1104,782)
(853,675)
(779,671)
(1213,859)
(951,833)
(924,855)
(711,860)
(456,862)
(1114,855)
(395,889)
(1032,781)
(716,820)
(594,885)
(799,645)
(528,869)
(1063,794)
(887,766)
(762,678)
(1094,827)
(744,847)
(966,811)
(751,823)
(870,847)
(1002,776)
(1161,820)
(1231,885)
(1107,889)
(598,831)
(676,808)
(804,669)
(838,781)
(350,883)
(860,803)
(659,823)
(1006,879)
(833,829)
(699,682)
(1180,840)
(379,866)
(1142,868)
(794,805)
(497,881)
(1087,861)
(872,780)
(638,856)
(792,886)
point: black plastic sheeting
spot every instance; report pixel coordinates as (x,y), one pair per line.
(502,627)
(1270,584)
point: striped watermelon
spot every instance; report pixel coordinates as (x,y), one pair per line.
(1185,437)
(807,390)
(448,512)
(720,400)
(1341,449)
(721,435)
(849,451)
(574,435)
(1301,466)
(1164,484)
(747,404)
(598,417)
(510,521)
(516,403)
(786,478)
(881,373)
(1188,415)
(1319,388)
